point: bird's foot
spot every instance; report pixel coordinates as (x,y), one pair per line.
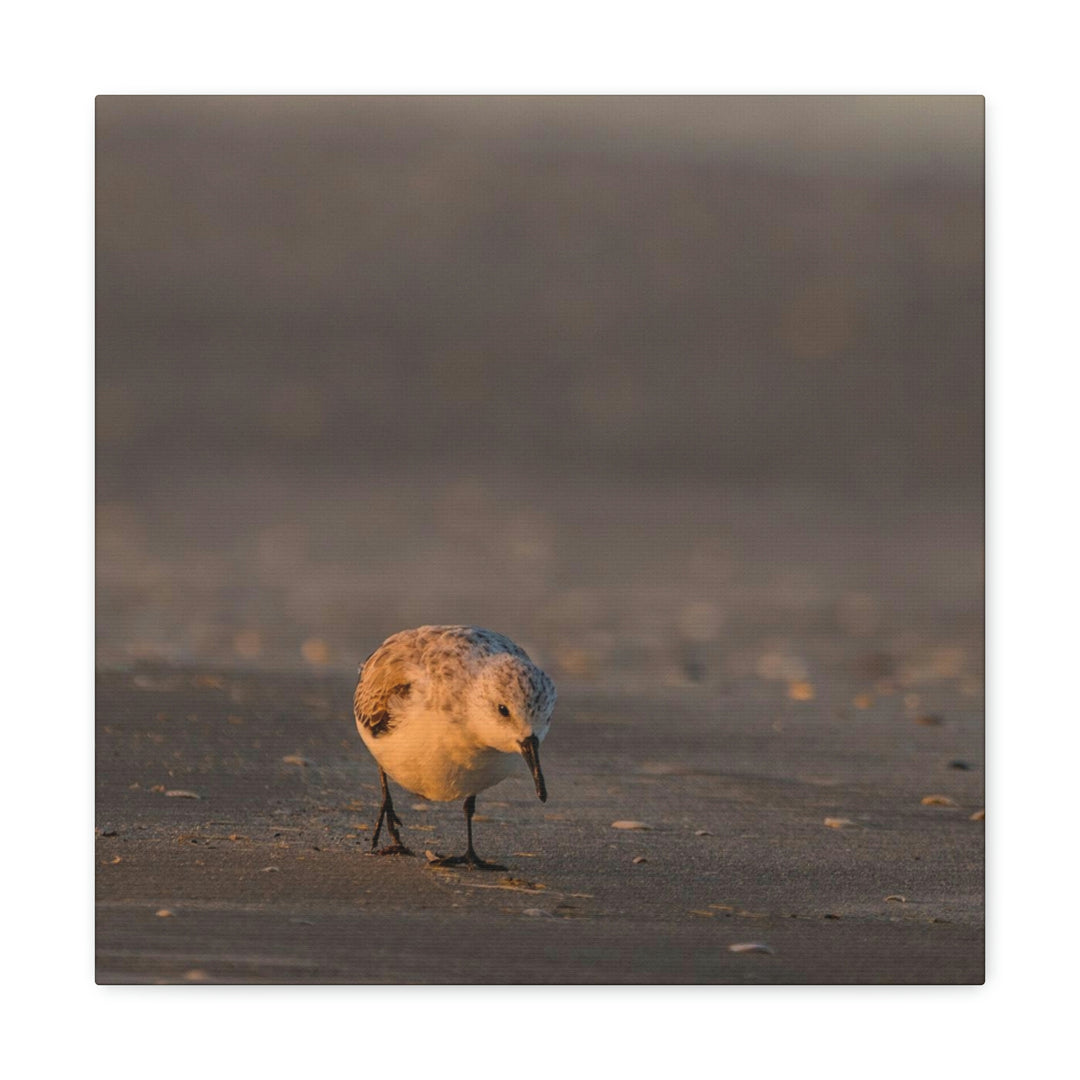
(392,821)
(391,849)
(469,861)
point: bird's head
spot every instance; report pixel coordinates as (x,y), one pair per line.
(510,709)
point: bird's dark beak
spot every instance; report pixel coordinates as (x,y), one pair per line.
(530,751)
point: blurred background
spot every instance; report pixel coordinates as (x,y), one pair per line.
(677,389)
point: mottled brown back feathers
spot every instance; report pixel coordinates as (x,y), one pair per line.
(384,678)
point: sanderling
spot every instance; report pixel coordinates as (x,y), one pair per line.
(445,710)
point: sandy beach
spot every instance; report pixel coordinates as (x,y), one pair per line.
(234,814)
(684,395)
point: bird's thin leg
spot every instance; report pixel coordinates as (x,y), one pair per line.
(386,813)
(470,859)
(470,809)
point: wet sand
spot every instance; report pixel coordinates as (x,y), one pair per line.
(264,877)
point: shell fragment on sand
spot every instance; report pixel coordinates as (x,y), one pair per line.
(750,947)
(630,825)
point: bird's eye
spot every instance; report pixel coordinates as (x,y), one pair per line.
(503,710)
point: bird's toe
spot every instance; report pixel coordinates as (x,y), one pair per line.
(391,849)
(468,861)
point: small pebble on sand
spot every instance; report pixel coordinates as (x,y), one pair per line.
(750,947)
(800,691)
(638,859)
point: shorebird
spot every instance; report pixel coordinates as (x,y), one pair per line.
(446,711)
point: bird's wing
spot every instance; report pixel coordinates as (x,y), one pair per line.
(385,681)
